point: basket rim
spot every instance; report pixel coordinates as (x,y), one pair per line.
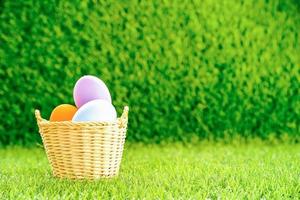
(119,120)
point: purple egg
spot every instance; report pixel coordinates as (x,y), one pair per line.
(89,88)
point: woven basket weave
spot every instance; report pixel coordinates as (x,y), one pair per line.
(84,150)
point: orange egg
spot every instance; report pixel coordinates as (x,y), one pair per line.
(63,112)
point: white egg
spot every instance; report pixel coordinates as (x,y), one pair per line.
(96,111)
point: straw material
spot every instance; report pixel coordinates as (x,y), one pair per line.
(84,150)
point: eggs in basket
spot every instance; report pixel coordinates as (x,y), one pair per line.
(93,103)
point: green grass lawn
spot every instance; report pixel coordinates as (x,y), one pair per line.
(252,171)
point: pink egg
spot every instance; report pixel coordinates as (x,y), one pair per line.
(89,88)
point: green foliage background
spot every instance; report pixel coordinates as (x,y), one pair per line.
(186,68)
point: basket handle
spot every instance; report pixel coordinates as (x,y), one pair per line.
(124,117)
(38,116)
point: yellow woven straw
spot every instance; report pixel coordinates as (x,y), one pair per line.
(84,150)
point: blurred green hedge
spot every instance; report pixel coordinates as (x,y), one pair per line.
(187,69)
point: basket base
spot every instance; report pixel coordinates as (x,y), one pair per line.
(88,177)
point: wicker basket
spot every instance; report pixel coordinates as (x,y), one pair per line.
(84,150)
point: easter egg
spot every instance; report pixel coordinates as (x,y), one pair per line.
(89,88)
(63,112)
(97,110)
